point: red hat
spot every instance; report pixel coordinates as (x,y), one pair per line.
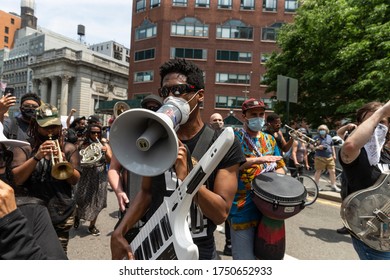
(252,103)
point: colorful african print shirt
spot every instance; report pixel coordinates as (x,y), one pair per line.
(244,213)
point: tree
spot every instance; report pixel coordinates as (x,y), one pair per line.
(339,50)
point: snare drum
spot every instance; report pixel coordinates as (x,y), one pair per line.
(278,196)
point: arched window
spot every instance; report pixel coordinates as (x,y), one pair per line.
(146,30)
(189,26)
(234,29)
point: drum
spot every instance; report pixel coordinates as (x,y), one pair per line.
(278,196)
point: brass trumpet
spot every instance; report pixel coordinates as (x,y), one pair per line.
(295,134)
(61,169)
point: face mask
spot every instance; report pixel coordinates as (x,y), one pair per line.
(256,124)
(216,125)
(27,113)
(374,146)
(178,109)
(322,132)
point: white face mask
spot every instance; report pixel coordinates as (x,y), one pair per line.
(374,146)
(180,107)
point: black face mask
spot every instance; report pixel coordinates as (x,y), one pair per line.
(27,113)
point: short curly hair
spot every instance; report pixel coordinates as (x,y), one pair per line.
(193,73)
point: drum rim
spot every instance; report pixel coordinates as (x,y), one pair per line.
(264,192)
(279,200)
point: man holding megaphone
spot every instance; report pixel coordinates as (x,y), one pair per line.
(182,86)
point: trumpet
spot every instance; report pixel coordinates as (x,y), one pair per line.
(61,169)
(295,134)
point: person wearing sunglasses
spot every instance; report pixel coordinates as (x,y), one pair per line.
(91,192)
(26,231)
(33,168)
(17,127)
(182,79)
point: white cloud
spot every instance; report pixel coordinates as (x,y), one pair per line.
(104,20)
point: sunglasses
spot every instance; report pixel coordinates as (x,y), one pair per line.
(153,108)
(96,132)
(176,90)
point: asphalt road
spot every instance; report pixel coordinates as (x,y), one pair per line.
(314,226)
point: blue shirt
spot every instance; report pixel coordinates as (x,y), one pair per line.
(327,142)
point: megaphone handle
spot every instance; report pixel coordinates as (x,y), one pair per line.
(153,133)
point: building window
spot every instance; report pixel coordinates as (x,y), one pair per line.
(202,3)
(270,33)
(143,55)
(269,102)
(189,26)
(140,6)
(233,102)
(6,30)
(229,78)
(12,21)
(146,30)
(6,39)
(188,53)
(264,57)
(234,56)
(247,5)
(154,3)
(234,29)
(179,2)
(270,5)
(290,5)
(146,76)
(224,4)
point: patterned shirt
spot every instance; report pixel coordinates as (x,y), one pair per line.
(244,213)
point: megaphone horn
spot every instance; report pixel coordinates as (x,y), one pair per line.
(145,142)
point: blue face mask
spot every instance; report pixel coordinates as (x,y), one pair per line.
(322,132)
(256,124)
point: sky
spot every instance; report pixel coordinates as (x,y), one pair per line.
(104,20)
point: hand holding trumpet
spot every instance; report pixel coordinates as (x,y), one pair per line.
(47,149)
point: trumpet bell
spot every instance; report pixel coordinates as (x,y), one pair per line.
(62,170)
(120,107)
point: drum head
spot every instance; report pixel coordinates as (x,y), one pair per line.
(278,187)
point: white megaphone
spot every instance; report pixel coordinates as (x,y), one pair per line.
(145,142)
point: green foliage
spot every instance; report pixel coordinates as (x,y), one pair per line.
(339,50)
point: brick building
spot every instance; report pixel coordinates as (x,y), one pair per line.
(9,23)
(229,39)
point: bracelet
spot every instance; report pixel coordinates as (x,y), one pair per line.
(35,158)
